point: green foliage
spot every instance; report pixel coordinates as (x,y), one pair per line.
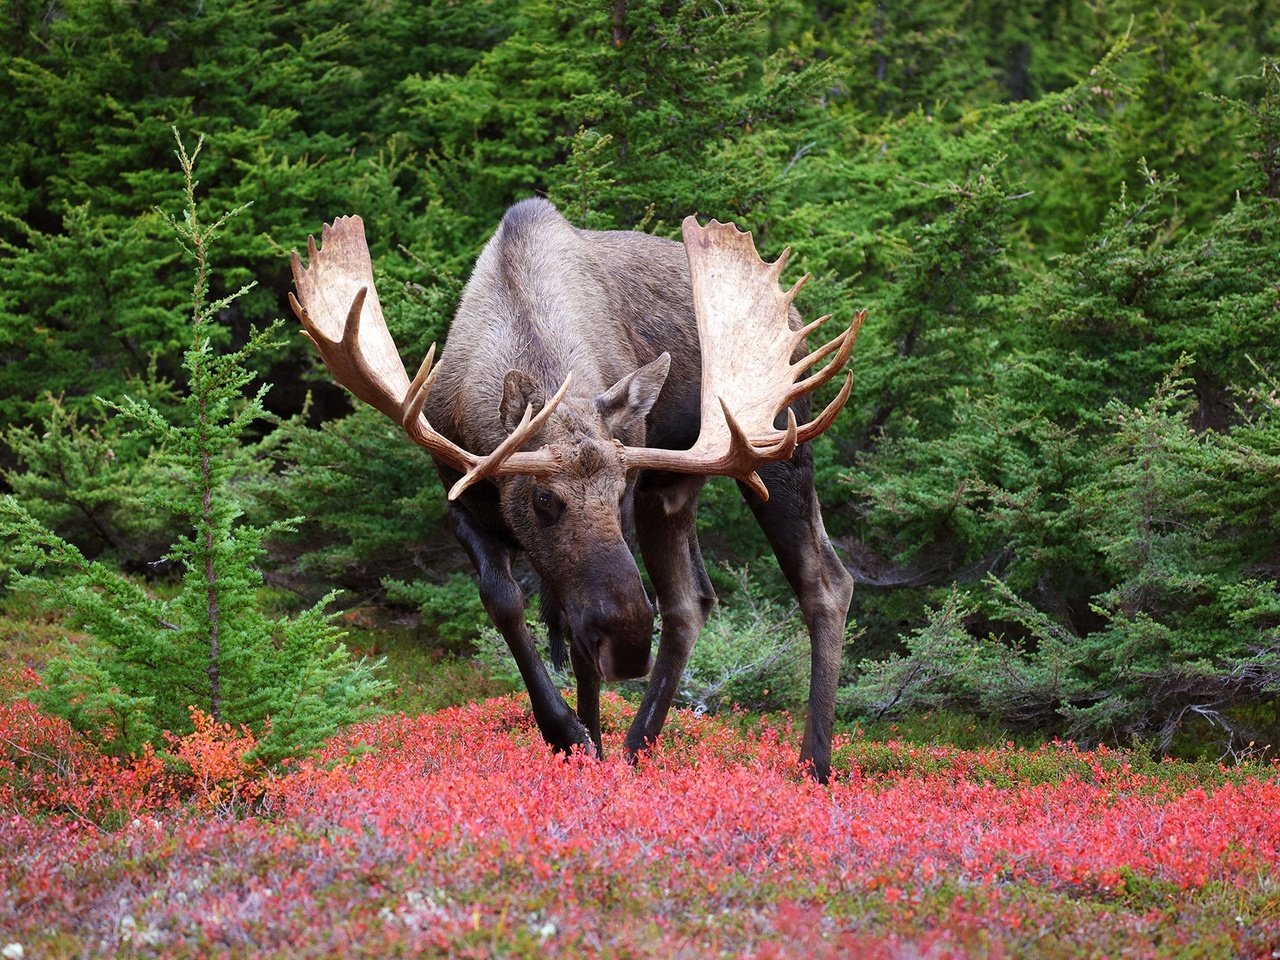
(368,501)
(1189,631)
(211,644)
(753,653)
(947,726)
(85,478)
(452,610)
(57,286)
(1190,627)
(943,665)
(1131,582)
(425,683)
(1043,207)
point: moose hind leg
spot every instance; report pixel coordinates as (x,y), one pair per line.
(504,602)
(666,529)
(792,521)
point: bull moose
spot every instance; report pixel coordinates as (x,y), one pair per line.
(590,382)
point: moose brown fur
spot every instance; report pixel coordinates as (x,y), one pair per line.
(616,310)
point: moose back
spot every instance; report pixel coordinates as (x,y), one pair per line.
(590,383)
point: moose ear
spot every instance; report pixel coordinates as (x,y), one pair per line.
(519,390)
(626,404)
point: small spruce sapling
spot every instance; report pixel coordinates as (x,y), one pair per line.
(290,679)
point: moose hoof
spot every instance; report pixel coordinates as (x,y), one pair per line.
(635,746)
(570,733)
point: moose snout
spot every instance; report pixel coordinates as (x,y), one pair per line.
(616,635)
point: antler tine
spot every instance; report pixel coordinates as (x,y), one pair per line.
(300,312)
(299,272)
(823,351)
(799,336)
(547,408)
(779,446)
(488,466)
(790,295)
(745,454)
(780,264)
(844,344)
(422,383)
(299,276)
(351,327)
(740,444)
(820,423)
(504,460)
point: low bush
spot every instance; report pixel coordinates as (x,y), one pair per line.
(462,834)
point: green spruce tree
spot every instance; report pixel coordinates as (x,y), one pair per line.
(211,645)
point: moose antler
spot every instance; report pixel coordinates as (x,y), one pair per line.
(340,313)
(746,341)
(747,374)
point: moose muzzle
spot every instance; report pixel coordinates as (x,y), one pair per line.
(614,632)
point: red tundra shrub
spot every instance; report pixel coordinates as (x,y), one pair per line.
(459,834)
(46,767)
(219,761)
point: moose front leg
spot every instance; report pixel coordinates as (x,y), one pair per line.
(666,528)
(504,602)
(588,696)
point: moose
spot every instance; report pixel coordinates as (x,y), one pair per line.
(590,382)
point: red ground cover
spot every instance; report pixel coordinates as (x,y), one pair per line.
(459,834)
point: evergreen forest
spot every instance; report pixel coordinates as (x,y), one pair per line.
(1056,483)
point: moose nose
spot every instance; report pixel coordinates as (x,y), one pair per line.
(634,663)
(619,636)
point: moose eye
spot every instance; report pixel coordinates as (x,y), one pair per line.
(547,505)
